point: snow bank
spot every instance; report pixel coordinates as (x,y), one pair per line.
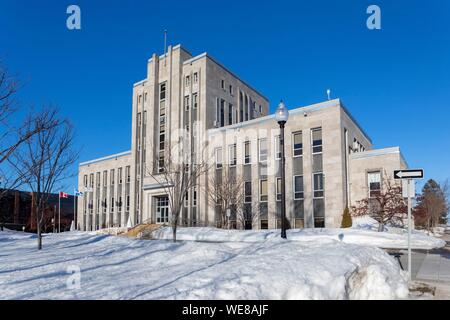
(122,268)
(393,239)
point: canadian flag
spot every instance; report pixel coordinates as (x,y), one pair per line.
(63,195)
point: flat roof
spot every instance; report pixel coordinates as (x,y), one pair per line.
(300,110)
(378,152)
(110,157)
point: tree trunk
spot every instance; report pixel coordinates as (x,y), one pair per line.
(39,235)
(380,226)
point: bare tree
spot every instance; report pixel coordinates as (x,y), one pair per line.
(44,160)
(226,195)
(12,134)
(385,206)
(177,174)
(249,214)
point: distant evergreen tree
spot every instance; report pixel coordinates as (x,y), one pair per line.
(346,219)
(432,205)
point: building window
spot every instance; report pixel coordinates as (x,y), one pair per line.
(161,161)
(319,213)
(222,112)
(194,196)
(119,173)
(231,89)
(263,150)
(85,181)
(97,179)
(222,84)
(111,176)
(263,191)
(105,178)
(112,204)
(232,155)
(195,78)
(162,91)
(162,209)
(247,157)
(186,199)
(230,113)
(247,192)
(127,204)
(317,140)
(297,144)
(374,183)
(218,158)
(318,185)
(186,103)
(128,173)
(195,101)
(277,148)
(264,224)
(298,188)
(91,180)
(278,189)
(188,81)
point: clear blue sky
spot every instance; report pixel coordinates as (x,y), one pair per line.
(395,81)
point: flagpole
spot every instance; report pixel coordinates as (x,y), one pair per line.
(59,213)
(74,208)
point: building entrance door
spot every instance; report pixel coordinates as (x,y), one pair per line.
(162,209)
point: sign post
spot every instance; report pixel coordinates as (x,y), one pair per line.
(409,175)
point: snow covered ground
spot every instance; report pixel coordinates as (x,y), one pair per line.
(267,268)
(393,238)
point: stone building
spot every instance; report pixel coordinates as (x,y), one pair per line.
(330,162)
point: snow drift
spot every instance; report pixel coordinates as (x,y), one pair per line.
(122,268)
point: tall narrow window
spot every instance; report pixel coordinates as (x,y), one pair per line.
(318,185)
(222,84)
(195,78)
(128,174)
(85,181)
(232,155)
(247,157)
(111,178)
(195,101)
(119,173)
(230,113)
(247,192)
(298,188)
(277,148)
(278,189)
(374,183)
(222,112)
(194,196)
(317,140)
(263,191)
(186,103)
(263,150)
(218,158)
(188,81)
(297,144)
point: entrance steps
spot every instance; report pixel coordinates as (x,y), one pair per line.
(142,231)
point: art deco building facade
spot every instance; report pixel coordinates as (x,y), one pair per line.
(330,162)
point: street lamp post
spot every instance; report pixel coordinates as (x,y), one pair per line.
(282,115)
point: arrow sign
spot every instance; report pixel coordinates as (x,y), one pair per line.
(408,174)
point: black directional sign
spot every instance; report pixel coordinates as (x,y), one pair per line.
(408,174)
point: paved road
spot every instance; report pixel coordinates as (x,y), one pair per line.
(432,267)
